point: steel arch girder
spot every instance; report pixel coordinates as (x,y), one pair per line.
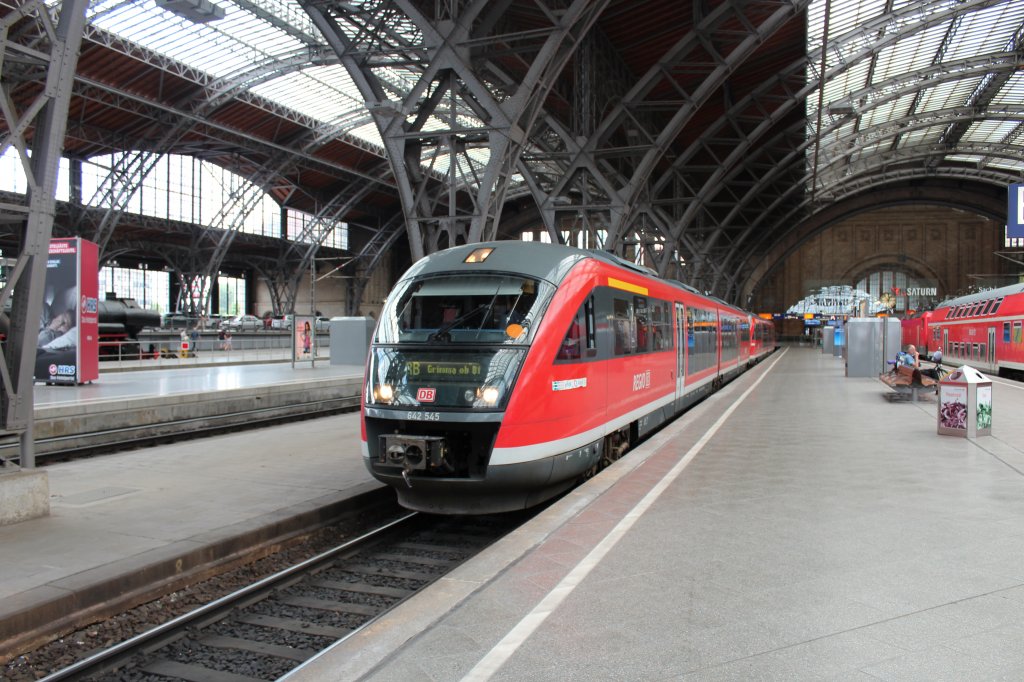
(934,75)
(446,48)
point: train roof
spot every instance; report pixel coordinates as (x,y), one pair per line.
(541,260)
(983,295)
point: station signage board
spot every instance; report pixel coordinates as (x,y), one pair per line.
(1015,212)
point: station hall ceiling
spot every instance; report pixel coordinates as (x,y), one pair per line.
(697,134)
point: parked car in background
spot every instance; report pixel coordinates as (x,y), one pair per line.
(282,322)
(178,321)
(242,323)
(323,325)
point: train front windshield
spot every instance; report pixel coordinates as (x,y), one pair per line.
(454,341)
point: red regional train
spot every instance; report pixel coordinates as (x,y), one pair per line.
(502,373)
(983,330)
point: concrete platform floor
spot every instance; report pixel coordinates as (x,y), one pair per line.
(816,532)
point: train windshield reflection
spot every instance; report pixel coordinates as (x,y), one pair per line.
(466,309)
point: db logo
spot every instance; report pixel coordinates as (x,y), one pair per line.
(426,395)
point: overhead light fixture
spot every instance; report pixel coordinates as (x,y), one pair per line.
(196,11)
(842,109)
(478,255)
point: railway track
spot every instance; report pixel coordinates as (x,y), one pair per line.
(65,447)
(263,631)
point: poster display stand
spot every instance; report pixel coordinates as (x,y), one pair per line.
(67,350)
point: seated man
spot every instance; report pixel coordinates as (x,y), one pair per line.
(911,358)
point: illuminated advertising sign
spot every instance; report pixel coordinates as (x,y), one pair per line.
(303,339)
(67,348)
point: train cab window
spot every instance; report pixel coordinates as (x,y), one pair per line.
(580,340)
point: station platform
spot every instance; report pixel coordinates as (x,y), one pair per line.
(166,397)
(794,525)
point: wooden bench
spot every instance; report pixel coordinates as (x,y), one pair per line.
(907,383)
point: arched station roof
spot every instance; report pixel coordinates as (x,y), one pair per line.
(703,135)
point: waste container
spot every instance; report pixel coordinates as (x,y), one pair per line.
(965,404)
(186,346)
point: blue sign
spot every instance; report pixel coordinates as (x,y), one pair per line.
(1015,212)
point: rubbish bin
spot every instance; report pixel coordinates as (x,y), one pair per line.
(186,346)
(965,404)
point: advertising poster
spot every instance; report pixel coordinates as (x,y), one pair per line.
(303,339)
(952,409)
(984,408)
(67,348)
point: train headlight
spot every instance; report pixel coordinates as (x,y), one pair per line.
(490,394)
(385,393)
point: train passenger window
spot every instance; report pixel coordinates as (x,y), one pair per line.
(580,340)
(622,326)
(641,319)
(661,325)
(1017,337)
(996,306)
(1006,332)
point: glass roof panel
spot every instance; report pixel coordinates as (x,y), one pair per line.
(923,42)
(990,132)
(987,30)
(1011,94)
(259,35)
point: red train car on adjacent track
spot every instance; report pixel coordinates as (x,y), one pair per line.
(502,373)
(984,330)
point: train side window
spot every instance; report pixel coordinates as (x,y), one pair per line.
(580,339)
(1006,332)
(1017,336)
(622,326)
(641,320)
(996,306)
(661,325)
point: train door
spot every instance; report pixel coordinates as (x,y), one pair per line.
(945,343)
(992,347)
(680,349)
